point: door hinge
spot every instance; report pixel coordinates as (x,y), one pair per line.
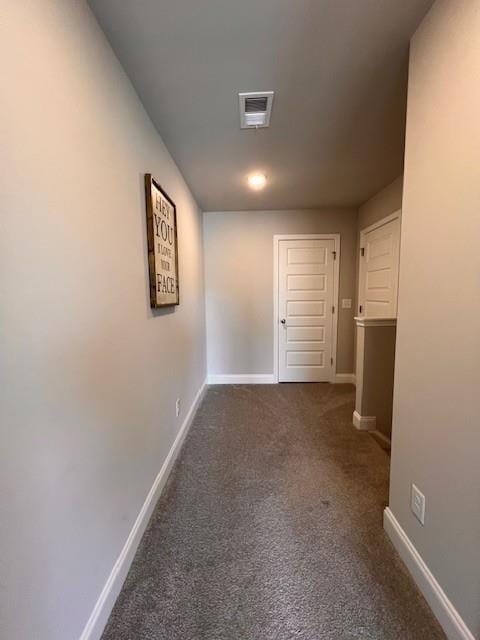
(334,255)
(362,251)
(333,309)
(360,309)
(331,360)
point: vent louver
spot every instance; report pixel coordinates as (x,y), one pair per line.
(256,104)
(255,109)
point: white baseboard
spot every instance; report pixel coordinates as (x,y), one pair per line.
(364,423)
(249,378)
(448,617)
(266,378)
(345,378)
(385,439)
(104,605)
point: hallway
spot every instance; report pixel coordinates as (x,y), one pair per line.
(270,528)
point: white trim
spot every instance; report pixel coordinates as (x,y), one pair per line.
(345,378)
(266,378)
(336,292)
(382,437)
(104,605)
(253,378)
(275,307)
(361,242)
(361,321)
(380,223)
(446,614)
(364,423)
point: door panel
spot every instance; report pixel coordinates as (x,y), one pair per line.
(306,255)
(305,308)
(305,334)
(302,358)
(306,283)
(305,293)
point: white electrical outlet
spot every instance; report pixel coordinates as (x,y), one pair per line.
(346,303)
(177,407)
(417,504)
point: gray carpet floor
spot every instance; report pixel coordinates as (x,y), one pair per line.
(270,528)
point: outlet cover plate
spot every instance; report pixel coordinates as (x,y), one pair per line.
(417,504)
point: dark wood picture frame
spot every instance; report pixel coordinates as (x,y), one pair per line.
(156,274)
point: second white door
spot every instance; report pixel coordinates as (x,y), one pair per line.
(306,281)
(379,262)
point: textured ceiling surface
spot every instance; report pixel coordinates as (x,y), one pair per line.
(338,69)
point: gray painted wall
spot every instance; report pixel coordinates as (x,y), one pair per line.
(436,435)
(378,370)
(385,202)
(89,376)
(239,284)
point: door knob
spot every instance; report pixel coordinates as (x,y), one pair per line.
(283,320)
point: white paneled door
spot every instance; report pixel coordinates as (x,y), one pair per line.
(379,262)
(306,306)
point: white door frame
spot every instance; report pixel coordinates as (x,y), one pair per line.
(336,285)
(361,242)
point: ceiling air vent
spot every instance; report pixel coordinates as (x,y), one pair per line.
(255,109)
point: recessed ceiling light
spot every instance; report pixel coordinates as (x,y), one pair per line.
(257,181)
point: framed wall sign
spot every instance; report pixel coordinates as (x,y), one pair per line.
(162,245)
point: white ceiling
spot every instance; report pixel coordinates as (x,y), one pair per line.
(338,69)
